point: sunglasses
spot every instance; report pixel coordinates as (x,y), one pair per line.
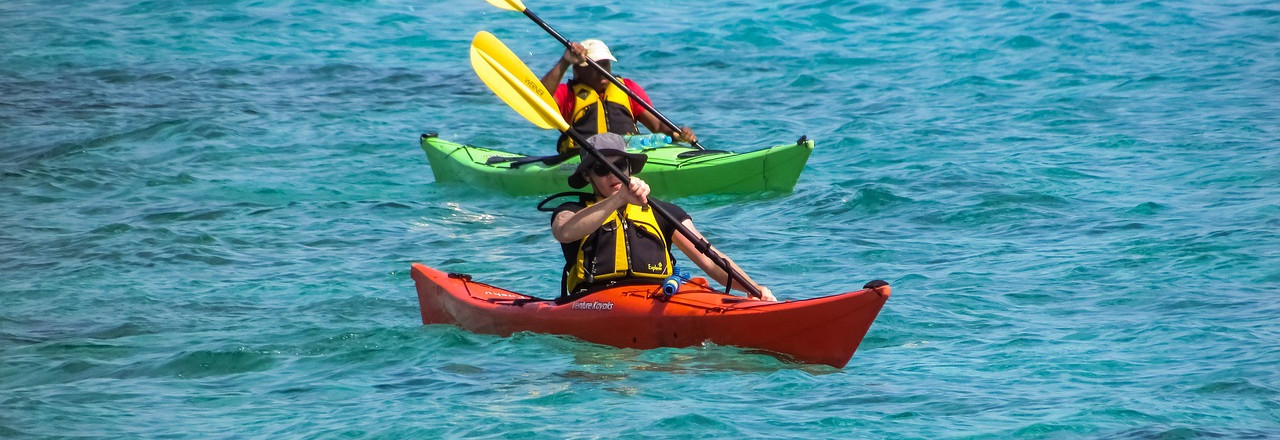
(600,169)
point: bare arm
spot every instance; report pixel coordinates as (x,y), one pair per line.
(568,227)
(575,54)
(712,270)
(655,125)
(553,77)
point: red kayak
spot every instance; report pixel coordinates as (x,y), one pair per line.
(823,330)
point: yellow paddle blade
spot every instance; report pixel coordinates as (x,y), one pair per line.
(511,80)
(511,5)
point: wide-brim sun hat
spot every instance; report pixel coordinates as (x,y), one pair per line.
(609,145)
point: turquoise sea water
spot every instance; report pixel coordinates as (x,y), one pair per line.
(210,208)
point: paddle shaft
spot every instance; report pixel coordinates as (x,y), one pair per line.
(613,79)
(702,245)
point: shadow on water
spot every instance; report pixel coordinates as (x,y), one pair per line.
(602,363)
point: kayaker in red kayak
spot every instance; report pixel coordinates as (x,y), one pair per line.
(592,104)
(613,238)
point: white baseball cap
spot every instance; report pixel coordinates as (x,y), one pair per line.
(597,51)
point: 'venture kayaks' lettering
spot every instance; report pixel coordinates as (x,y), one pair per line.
(593,305)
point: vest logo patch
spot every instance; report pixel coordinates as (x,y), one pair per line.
(655,267)
(592,305)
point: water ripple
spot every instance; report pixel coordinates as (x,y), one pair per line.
(210,213)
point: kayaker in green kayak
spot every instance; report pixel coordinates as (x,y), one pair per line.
(592,104)
(611,237)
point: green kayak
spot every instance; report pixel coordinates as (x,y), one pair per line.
(673,170)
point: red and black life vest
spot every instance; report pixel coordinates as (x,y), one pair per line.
(593,115)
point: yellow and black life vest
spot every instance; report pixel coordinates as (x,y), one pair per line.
(591,115)
(627,248)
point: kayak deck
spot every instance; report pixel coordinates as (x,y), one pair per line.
(824,330)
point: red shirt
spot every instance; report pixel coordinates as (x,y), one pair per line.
(564,99)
